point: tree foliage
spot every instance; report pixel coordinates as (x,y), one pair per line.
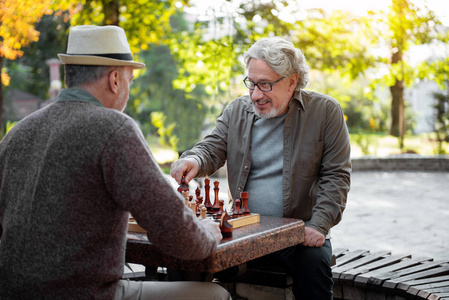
(403,26)
(194,68)
(17,19)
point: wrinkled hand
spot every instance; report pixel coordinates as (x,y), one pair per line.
(184,166)
(214,228)
(312,237)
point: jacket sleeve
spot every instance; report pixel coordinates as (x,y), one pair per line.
(211,152)
(333,184)
(137,184)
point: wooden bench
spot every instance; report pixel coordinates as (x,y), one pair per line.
(361,274)
(357,275)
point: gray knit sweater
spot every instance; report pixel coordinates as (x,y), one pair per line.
(69,175)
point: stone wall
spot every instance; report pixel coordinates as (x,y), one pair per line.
(402,162)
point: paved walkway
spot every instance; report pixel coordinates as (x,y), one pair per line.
(405,212)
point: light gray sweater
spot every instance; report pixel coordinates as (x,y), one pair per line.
(69,175)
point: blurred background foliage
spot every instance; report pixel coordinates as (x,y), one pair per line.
(193,52)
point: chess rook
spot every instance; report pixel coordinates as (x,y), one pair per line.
(245,210)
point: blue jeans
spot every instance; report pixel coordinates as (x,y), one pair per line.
(310,268)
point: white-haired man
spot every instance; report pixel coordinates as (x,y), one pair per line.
(289,148)
(70,174)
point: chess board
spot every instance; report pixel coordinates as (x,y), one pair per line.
(236,223)
(241,216)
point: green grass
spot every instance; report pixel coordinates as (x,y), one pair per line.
(383,144)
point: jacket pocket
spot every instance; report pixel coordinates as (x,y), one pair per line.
(310,159)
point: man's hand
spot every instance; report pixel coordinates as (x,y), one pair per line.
(312,237)
(187,167)
(214,228)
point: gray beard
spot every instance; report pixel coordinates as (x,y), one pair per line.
(271,114)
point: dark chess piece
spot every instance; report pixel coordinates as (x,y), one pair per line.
(183,187)
(225,226)
(220,210)
(207,202)
(245,210)
(238,211)
(215,207)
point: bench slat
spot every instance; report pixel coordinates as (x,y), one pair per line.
(376,277)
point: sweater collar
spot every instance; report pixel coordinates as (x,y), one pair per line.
(76,94)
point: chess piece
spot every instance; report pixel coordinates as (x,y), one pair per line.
(197,192)
(185,194)
(207,202)
(192,206)
(215,207)
(183,187)
(220,210)
(238,211)
(245,210)
(225,226)
(203,211)
(198,202)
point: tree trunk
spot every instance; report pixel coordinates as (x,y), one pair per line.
(111,12)
(397,104)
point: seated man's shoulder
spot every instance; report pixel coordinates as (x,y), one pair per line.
(315,98)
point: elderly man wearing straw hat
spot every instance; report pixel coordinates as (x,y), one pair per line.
(69,175)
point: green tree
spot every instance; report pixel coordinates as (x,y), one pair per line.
(403,26)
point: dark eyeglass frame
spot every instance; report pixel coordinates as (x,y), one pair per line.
(246,81)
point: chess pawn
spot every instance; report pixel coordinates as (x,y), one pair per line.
(199,203)
(185,194)
(183,187)
(220,210)
(245,210)
(203,212)
(215,207)
(207,202)
(192,206)
(238,211)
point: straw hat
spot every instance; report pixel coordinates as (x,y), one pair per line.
(99,46)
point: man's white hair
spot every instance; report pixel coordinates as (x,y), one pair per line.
(282,57)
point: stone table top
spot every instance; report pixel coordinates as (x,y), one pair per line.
(247,243)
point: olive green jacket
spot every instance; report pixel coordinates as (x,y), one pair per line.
(317,167)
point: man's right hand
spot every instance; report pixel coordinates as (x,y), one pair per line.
(187,167)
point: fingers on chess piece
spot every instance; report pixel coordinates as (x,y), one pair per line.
(183,187)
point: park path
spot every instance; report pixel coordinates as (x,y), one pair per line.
(404,212)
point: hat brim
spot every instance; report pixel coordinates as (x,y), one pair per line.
(97,61)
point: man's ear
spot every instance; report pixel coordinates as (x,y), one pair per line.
(292,82)
(113,80)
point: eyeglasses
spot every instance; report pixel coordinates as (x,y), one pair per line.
(263,86)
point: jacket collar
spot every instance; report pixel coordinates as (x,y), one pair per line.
(75,94)
(297,100)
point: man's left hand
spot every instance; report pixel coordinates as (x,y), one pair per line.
(312,237)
